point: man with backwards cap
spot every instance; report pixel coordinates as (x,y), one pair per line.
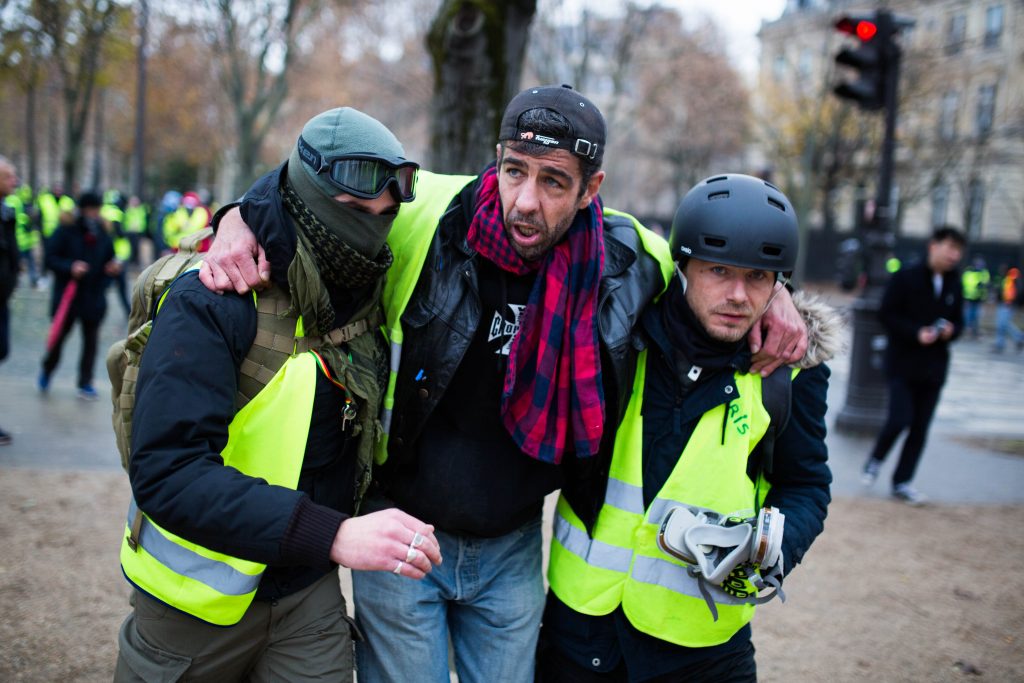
(656,566)
(253,429)
(510,306)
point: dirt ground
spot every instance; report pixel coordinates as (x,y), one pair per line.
(888,593)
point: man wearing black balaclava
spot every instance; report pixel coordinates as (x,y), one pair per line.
(253,429)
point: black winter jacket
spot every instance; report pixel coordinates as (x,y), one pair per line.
(8,252)
(185,401)
(910,303)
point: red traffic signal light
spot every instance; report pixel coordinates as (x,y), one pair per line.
(868,59)
(864,29)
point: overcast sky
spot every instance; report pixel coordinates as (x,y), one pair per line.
(739,20)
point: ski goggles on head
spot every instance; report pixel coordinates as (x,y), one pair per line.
(364,175)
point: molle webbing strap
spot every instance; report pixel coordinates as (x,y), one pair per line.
(340,335)
(276,341)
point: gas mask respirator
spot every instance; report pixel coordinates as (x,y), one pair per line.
(716,547)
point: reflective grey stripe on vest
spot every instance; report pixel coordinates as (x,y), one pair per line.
(644,569)
(624,496)
(593,552)
(219,576)
(676,579)
(396,359)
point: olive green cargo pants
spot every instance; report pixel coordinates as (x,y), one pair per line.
(305,636)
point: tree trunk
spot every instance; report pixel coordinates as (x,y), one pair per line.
(249,146)
(477,48)
(98,142)
(139,152)
(30,136)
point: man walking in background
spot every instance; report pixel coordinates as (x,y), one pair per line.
(922,312)
(81,256)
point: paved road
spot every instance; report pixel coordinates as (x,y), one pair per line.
(981,409)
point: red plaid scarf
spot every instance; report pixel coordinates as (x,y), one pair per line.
(553,399)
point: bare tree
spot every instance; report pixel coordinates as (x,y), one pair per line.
(75,34)
(477,48)
(256,47)
(674,105)
(23,60)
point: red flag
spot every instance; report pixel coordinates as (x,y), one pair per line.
(61,315)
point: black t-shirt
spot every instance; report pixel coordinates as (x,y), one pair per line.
(468,475)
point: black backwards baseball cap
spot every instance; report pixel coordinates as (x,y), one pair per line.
(586,138)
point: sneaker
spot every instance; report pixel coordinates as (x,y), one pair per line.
(5,438)
(43,382)
(909,495)
(870,472)
(87,393)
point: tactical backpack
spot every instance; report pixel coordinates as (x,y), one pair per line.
(124,355)
(278,336)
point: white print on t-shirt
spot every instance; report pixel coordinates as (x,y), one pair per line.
(505,329)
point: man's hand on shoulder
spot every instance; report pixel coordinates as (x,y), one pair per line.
(236,261)
(779,338)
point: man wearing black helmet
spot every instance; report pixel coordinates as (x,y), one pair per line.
(498,399)
(711,496)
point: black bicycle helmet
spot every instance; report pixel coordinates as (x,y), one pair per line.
(737,220)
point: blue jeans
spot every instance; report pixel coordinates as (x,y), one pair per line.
(972,317)
(487,595)
(1005,329)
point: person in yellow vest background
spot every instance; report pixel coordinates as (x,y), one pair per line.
(20,203)
(976,281)
(190,217)
(1010,297)
(711,497)
(112,213)
(136,227)
(252,437)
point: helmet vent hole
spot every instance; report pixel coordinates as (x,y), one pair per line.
(777,204)
(771,251)
(724,194)
(714,242)
(716,179)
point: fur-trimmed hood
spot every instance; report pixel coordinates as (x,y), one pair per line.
(826,329)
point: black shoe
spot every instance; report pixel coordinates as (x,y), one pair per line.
(5,438)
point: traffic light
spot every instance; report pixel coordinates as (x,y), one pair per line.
(870,58)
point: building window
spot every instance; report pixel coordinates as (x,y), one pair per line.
(975,208)
(947,116)
(806,63)
(956,34)
(940,203)
(986,109)
(779,68)
(993,25)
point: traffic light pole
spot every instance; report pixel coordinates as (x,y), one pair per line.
(867,395)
